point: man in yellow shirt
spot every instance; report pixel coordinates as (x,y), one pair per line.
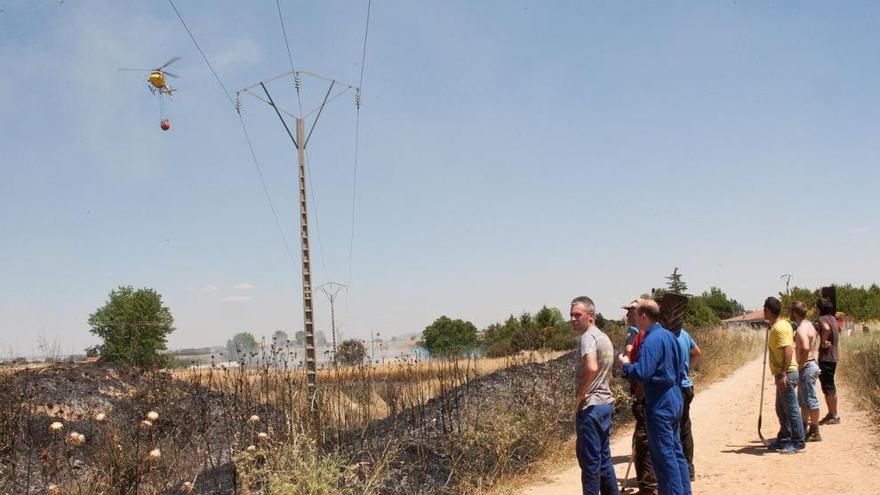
(783,365)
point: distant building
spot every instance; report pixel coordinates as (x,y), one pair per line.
(755,319)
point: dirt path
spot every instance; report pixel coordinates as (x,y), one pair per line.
(730,459)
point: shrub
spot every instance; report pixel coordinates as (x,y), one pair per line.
(500,348)
(351,352)
(292,467)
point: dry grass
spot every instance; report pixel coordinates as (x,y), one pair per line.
(859,367)
(449,427)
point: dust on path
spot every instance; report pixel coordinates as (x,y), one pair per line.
(730,459)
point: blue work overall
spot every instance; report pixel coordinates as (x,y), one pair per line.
(659,369)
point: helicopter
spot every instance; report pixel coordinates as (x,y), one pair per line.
(158,85)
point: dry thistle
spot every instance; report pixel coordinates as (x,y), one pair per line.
(100,417)
(146,424)
(53,489)
(152,415)
(251,448)
(76,439)
(56,426)
(155,454)
(263,436)
(254,419)
(187,487)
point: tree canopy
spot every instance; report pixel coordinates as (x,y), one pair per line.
(134,325)
(546,329)
(448,337)
(676,283)
(861,303)
(240,345)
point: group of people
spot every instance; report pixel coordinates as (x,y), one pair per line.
(657,362)
(799,355)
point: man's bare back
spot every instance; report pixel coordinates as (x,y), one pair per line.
(806,342)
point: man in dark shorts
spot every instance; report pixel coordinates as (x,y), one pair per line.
(829,332)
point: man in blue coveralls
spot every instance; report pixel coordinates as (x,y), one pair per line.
(659,370)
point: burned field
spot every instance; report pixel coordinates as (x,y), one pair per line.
(87,428)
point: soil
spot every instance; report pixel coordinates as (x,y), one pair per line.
(730,459)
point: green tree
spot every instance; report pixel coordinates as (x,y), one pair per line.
(134,325)
(721,305)
(351,352)
(600,321)
(240,345)
(699,314)
(448,337)
(526,339)
(548,317)
(676,283)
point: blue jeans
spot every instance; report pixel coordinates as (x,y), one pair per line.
(807,392)
(791,427)
(664,441)
(593,426)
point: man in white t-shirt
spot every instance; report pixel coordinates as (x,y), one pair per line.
(594,401)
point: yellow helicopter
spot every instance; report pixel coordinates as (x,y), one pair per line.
(158,85)
(157,77)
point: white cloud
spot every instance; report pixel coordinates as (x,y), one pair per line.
(237,299)
(859,230)
(244,286)
(209,288)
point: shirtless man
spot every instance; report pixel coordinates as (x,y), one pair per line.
(806,344)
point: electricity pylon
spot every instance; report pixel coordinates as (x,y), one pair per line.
(300,142)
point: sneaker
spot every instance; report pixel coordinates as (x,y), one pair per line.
(830,420)
(776,446)
(791,449)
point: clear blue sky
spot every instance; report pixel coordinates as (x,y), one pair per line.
(513,154)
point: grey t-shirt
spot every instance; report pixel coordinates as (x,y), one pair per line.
(593,341)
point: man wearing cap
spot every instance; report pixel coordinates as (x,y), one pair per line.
(640,450)
(632,331)
(594,401)
(659,370)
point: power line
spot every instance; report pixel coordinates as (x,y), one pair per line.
(199,48)
(290,56)
(266,191)
(357,128)
(315,215)
(237,107)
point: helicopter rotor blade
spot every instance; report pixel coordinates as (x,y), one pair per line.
(170,74)
(173,59)
(136,70)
